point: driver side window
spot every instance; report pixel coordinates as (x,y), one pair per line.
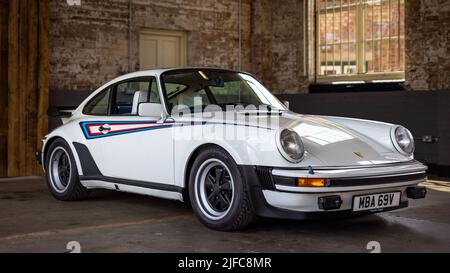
(127,97)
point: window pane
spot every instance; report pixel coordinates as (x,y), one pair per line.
(154,93)
(384,25)
(188,98)
(173,88)
(350,67)
(385,55)
(335,60)
(369,56)
(217,87)
(345,26)
(382,36)
(352,25)
(99,104)
(322,29)
(337,30)
(129,95)
(323,60)
(235,91)
(368,22)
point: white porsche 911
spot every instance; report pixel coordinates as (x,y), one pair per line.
(221,141)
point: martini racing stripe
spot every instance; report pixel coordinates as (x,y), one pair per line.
(92,129)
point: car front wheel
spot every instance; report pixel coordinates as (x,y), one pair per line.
(218,194)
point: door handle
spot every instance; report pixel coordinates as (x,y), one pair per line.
(104,129)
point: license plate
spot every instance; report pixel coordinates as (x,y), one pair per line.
(375,202)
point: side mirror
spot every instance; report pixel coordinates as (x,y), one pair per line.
(286,103)
(149,109)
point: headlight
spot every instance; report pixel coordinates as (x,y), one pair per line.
(403,140)
(290,145)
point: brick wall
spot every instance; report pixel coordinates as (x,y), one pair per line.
(261,22)
(428,44)
(288,48)
(89,43)
(279,45)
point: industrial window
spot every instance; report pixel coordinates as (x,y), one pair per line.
(360,40)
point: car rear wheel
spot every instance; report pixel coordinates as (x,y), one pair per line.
(62,173)
(218,194)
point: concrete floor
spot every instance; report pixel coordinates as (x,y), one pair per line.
(32,221)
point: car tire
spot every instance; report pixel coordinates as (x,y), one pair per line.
(218,194)
(62,173)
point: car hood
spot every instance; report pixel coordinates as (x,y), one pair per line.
(333,143)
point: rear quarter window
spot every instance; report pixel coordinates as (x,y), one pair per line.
(99,104)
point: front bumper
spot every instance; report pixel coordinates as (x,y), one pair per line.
(275,200)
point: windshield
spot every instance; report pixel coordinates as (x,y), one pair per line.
(192,88)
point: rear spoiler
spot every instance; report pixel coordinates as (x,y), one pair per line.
(61,111)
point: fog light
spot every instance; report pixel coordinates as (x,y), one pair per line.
(416,192)
(311,182)
(330,202)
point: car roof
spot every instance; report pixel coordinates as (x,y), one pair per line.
(159,71)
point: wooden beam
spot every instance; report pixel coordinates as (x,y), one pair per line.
(28,84)
(4,10)
(31,88)
(43,78)
(13,84)
(21,110)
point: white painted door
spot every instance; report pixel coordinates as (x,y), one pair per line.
(162,49)
(132,147)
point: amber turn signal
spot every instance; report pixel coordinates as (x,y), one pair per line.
(311,182)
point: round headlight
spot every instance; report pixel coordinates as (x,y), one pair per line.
(291,146)
(404,141)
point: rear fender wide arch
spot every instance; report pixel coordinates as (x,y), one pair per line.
(52,139)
